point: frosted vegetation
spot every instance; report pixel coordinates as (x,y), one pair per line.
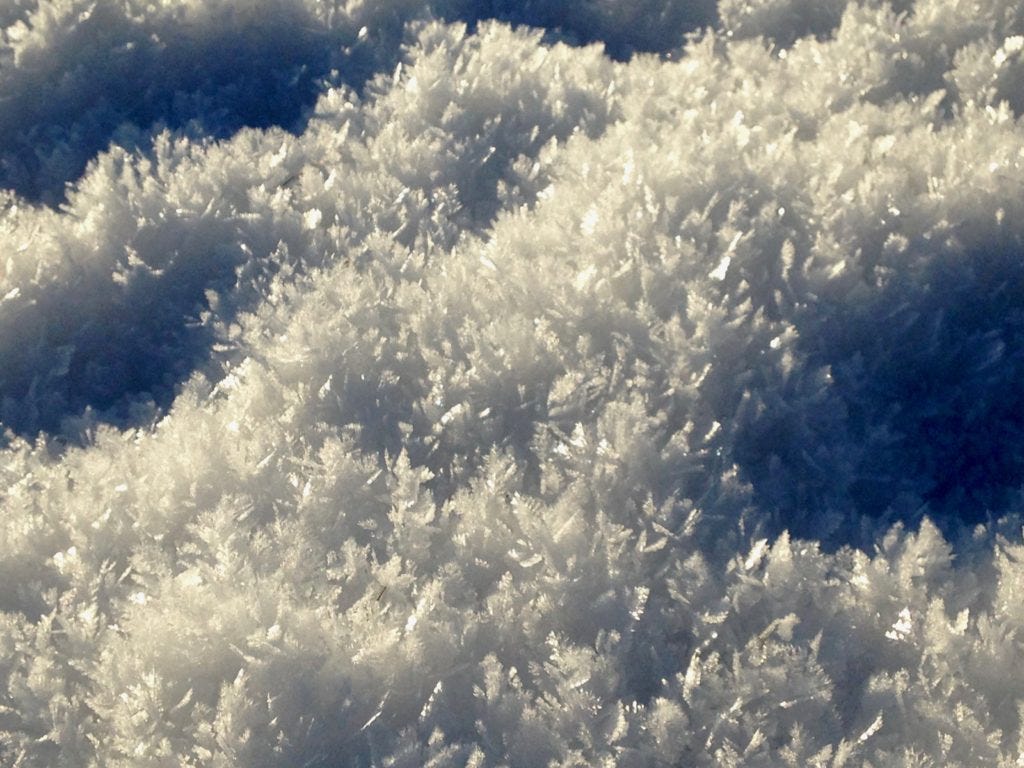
(402,384)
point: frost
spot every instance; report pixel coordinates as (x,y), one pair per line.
(385,384)
(902,626)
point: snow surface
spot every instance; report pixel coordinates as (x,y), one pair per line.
(397,383)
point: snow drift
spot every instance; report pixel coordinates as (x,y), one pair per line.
(400,384)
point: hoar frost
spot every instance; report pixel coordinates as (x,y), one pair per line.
(385,389)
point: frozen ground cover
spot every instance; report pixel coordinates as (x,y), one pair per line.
(416,384)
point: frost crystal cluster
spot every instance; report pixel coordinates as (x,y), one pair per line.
(437,383)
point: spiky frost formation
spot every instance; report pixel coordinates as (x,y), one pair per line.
(518,408)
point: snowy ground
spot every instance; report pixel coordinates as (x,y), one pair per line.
(544,383)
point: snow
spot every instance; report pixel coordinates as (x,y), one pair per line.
(511,384)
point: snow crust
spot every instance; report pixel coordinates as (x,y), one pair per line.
(401,384)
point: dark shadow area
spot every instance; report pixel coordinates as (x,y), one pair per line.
(646,26)
(120,350)
(63,106)
(934,389)
(907,402)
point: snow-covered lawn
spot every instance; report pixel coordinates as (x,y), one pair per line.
(549,383)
